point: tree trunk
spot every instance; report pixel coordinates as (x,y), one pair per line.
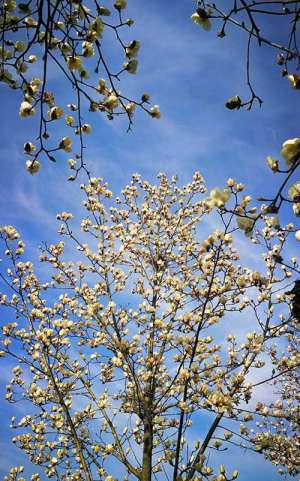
(147,451)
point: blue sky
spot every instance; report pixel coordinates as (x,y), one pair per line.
(190,74)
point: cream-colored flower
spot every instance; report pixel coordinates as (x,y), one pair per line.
(234,103)
(26,109)
(101,86)
(294,192)
(218,197)
(65,144)
(69,120)
(10,231)
(245,223)
(86,128)
(155,112)
(295,80)
(130,108)
(296,209)
(55,113)
(33,166)
(291,151)
(133,48)
(29,147)
(96,29)
(120,4)
(297,235)
(20,46)
(74,62)
(111,102)
(272,163)
(131,66)
(201,18)
(87,49)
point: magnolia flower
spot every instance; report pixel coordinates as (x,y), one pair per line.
(32,58)
(30,22)
(155,112)
(10,5)
(87,49)
(65,144)
(33,166)
(69,120)
(86,128)
(104,11)
(218,198)
(72,163)
(26,109)
(233,103)
(111,101)
(295,81)
(131,66)
(130,108)
(97,28)
(10,231)
(296,209)
(120,4)
(291,151)
(294,192)
(29,147)
(101,86)
(66,48)
(132,49)
(297,235)
(272,163)
(20,46)
(74,62)
(246,224)
(55,113)
(201,17)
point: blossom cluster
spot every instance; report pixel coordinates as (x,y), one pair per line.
(90,362)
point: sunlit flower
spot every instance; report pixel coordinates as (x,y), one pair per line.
(86,128)
(294,192)
(133,48)
(291,151)
(234,103)
(74,62)
(295,80)
(65,144)
(245,223)
(272,163)
(55,113)
(218,198)
(120,4)
(26,109)
(33,166)
(201,17)
(29,147)
(155,112)
(111,101)
(131,66)
(87,49)
(296,209)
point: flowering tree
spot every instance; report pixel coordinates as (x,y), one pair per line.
(153,328)
(65,38)
(254,17)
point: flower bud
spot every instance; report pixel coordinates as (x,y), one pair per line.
(295,81)
(233,103)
